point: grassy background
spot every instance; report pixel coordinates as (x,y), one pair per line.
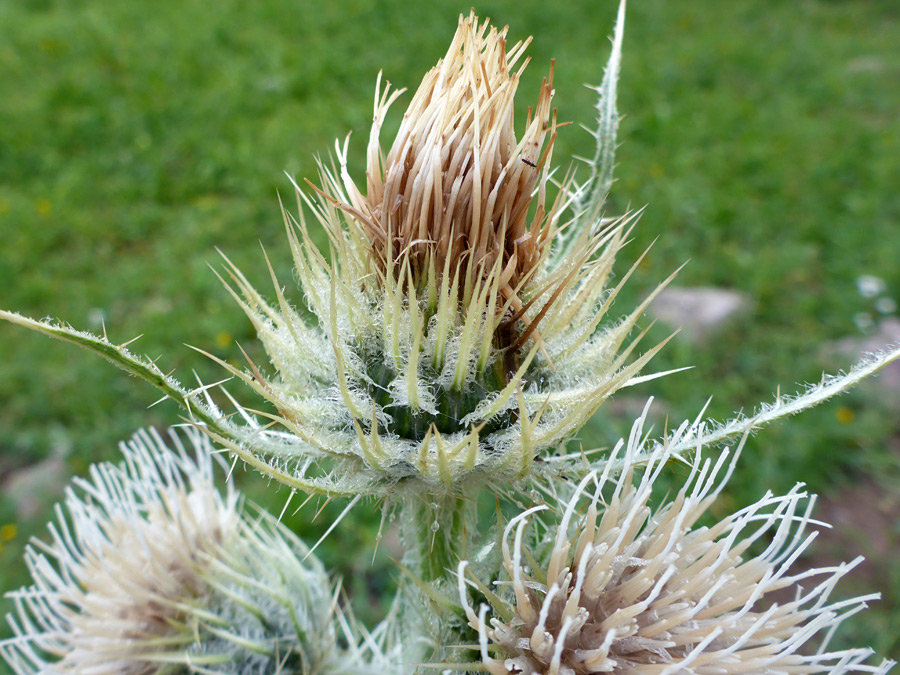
(136,137)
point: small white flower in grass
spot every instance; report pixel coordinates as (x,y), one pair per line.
(149,568)
(886,305)
(870,286)
(618,587)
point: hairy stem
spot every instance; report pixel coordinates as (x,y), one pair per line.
(437,532)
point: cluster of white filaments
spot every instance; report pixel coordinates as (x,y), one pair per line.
(149,567)
(621,587)
(459,328)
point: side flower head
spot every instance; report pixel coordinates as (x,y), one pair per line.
(460,316)
(618,587)
(150,568)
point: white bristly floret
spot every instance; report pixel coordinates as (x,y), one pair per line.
(148,566)
(621,587)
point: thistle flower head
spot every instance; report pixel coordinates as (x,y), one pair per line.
(460,318)
(618,587)
(149,567)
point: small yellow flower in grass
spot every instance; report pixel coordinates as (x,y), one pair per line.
(845,415)
(618,586)
(149,569)
(9,531)
(462,314)
(43,207)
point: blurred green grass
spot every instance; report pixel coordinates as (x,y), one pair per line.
(135,138)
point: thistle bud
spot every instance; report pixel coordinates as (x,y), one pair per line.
(459,323)
(150,568)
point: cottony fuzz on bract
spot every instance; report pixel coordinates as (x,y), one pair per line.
(618,586)
(459,318)
(150,569)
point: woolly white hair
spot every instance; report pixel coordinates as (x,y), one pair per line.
(618,587)
(149,566)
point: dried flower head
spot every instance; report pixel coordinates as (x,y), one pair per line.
(453,198)
(459,320)
(619,587)
(149,568)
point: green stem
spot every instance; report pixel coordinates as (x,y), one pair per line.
(437,531)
